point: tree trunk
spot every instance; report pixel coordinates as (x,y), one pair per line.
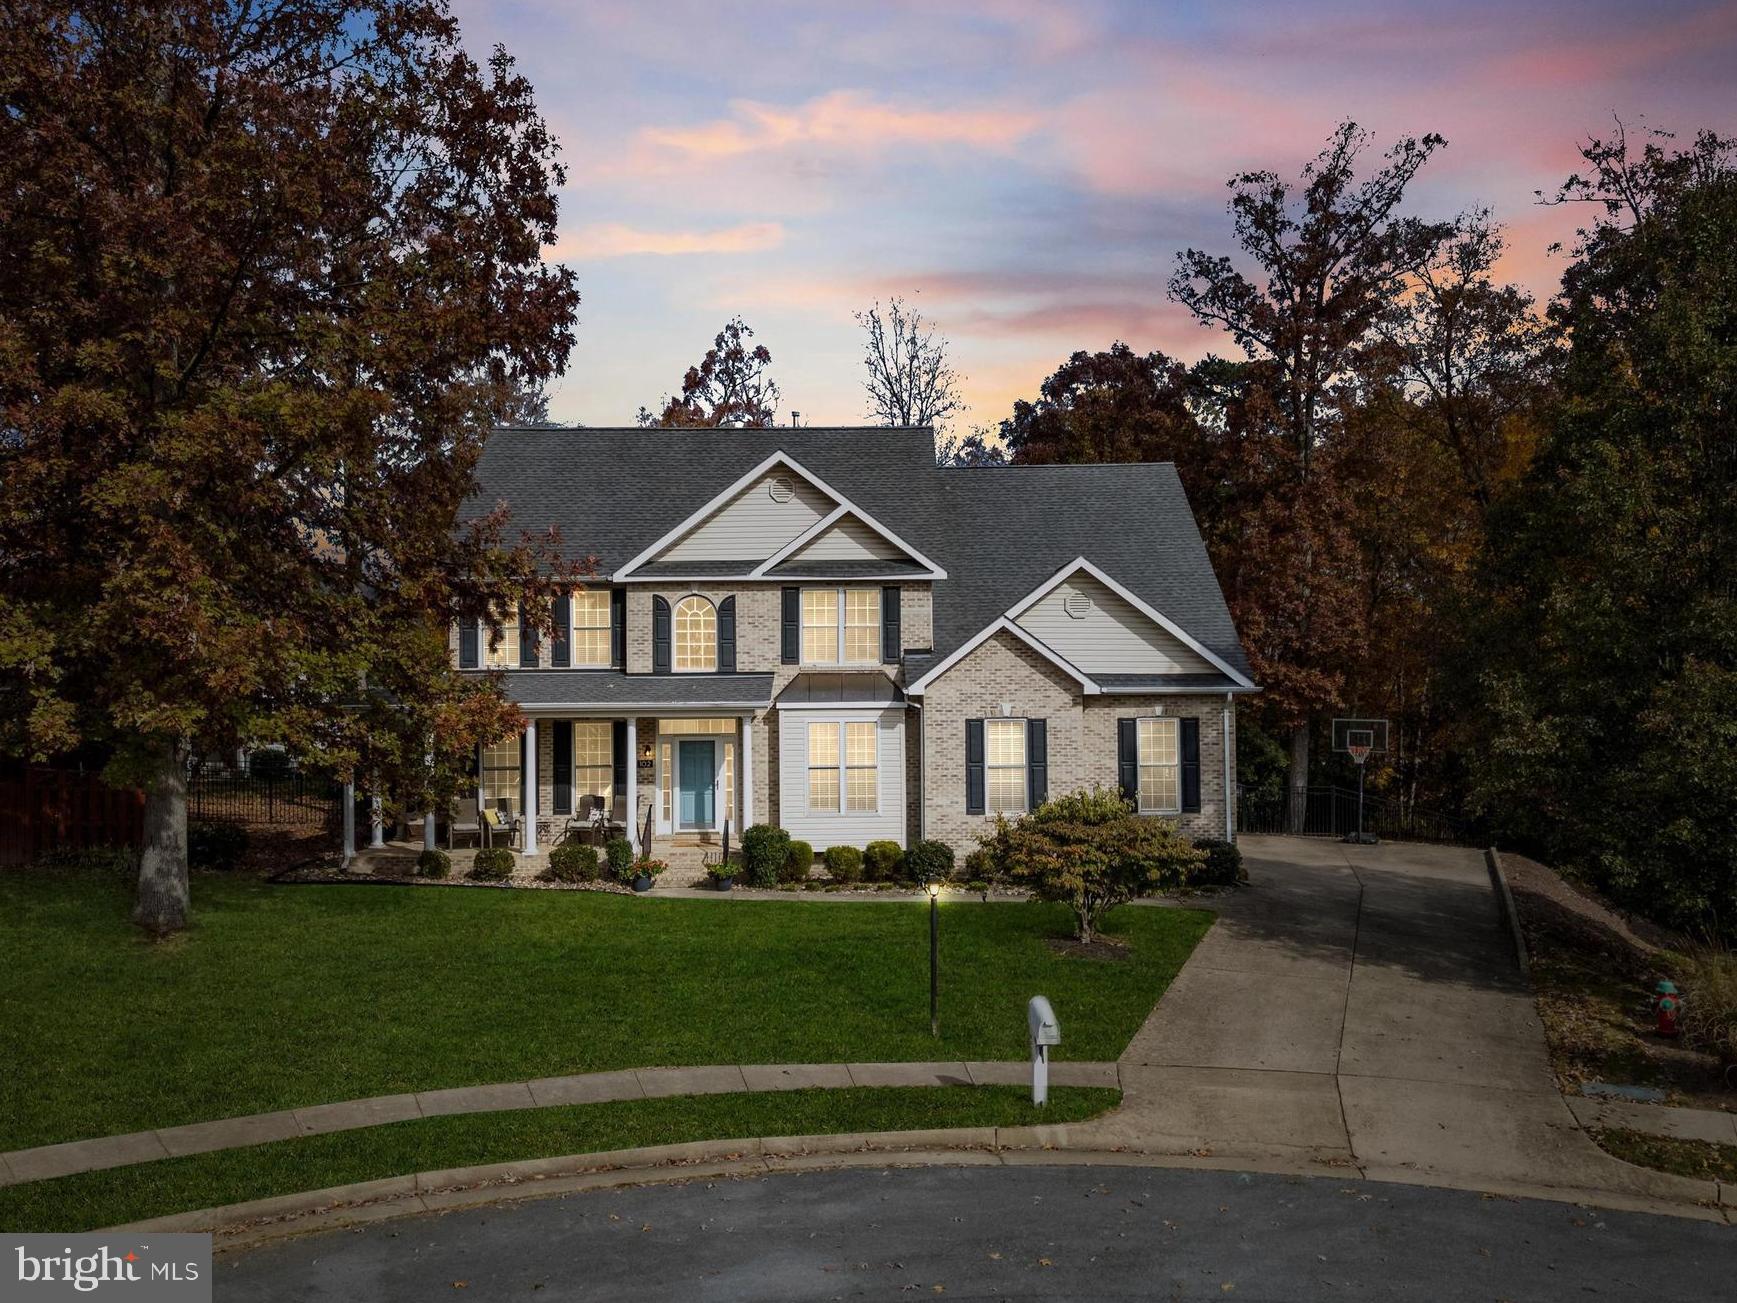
(163,898)
(1298,806)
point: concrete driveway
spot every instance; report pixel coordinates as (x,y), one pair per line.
(1360,1005)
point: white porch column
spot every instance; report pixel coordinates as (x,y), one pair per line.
(349,822)
(376,825)
(428,831)
(631,816)
(747,775)
(530,787)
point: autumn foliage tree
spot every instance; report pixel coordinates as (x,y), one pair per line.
(728,388)
(270,274)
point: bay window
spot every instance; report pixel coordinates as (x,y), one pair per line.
(843,767)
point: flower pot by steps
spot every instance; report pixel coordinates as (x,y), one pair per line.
(642,882)
(723,884)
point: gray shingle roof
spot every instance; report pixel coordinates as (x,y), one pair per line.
(604,688)
(999,532)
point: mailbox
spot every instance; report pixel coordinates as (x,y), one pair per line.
(1045,1031)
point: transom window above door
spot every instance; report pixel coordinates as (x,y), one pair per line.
(841,626)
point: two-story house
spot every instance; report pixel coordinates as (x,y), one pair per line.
(822,629)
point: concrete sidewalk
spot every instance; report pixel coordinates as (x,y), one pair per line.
(1360,1005)
(47,1161)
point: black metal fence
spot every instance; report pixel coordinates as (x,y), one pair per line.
(292,800)
(1332,812)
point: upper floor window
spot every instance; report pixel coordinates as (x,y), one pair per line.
(841,626)
(1160,765)
(591,628)
(504,653)
(696,636)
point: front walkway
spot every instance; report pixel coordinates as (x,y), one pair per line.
(1359,1006)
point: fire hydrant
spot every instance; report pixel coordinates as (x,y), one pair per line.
(1668,1005)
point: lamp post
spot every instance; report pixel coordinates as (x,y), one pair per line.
(934,959)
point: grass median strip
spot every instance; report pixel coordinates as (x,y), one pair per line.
(170,1185)
(1702,1159)
(284,997)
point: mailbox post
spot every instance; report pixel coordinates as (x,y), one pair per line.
(1045,1032)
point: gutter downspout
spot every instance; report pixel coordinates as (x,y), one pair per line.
(1229,789)
(922,772)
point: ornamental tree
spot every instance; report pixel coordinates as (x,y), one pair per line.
(270,275)
(1091,852)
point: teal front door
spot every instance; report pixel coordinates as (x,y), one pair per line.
(696,768)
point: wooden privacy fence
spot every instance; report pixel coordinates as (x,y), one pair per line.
(44,810)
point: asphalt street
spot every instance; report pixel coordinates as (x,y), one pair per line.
(1004,1233)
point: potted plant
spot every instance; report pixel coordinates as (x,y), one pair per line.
(645,872)
(723,875)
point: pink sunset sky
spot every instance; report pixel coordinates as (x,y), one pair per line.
(1026,172)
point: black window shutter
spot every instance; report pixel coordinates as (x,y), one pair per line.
(469,641)
(527,641)
(1190,766)
(791,647)
(660,635)
(1128,760)
(561,645)
(1036,762)
(622,759)
(727,636)
(891,640)
(973,766)
(618,628)
(561,769)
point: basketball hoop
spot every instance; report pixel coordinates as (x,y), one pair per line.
(1359,751)
(1360,739)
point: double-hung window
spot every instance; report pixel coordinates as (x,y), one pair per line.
(1160,765)
(591,629)
(841,626)
(1004,765)
(502,655)
(843,767)
(594,759)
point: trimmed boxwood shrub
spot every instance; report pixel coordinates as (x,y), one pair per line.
(1223,867)
(843,863)
(798,860)
(929,861)
(215,845)
(883,862)
(620,855)
(493,864)
(765,848)
(433,864)
(571,863)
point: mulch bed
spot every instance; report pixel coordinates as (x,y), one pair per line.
(1103,948)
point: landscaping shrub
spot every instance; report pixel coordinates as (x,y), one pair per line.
(90,859)
(798,860)
(929,861)
(1223,867)
(433,864)
(493,864)
(979,866)
(883,862)
(1710,1003)
(215,845)
(570,863)
(619,852)
(270,764)
(843,863)
(1091,852)
(765,848)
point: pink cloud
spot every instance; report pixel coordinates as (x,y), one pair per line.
(615,240)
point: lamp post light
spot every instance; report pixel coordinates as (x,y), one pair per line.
(934,959)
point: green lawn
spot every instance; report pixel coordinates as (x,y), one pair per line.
(170,1185)
(287,996)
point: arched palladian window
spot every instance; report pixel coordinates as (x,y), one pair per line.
(696,636)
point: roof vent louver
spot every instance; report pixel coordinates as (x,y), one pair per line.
(1077,605)
(781,488)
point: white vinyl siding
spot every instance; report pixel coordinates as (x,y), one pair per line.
(843,776)
(1004,766)
(696,636)
(848,539)
(1159,751)
(753,525)
(590,645)
(841,619)
(1109,636)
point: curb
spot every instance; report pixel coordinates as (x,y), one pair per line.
(247,1225)
(1505,900)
